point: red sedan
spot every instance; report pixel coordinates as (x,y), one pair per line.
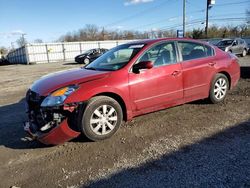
(127,81)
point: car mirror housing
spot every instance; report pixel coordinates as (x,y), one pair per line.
(143,65)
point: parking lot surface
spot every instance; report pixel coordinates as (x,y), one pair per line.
(192,145)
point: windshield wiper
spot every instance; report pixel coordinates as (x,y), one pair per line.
(90,68)
(97,69)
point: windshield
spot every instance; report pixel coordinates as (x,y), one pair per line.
(115,58)
(247,40)
(225,43)
(88,51)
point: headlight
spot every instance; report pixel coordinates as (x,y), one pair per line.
(58,97)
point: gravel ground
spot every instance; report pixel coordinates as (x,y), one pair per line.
(192,145)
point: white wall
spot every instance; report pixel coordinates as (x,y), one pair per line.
(54,52)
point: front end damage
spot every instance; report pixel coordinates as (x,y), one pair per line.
(51,125)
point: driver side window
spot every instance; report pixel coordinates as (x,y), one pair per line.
(161,54)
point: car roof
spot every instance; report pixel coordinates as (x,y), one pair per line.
(226,39)
(152,41)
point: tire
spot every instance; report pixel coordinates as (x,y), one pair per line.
(219,88)
(97,125)
(244,53)
(86,61)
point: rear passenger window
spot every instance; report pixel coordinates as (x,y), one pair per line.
(190,50)
(209,51)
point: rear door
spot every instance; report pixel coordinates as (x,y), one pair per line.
(160,85)
(241,45)
(236,47)
(198,68)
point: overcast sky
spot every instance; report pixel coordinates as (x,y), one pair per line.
(49,19)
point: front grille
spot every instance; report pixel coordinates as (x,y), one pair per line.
(33,96)
(40,116)
(34,101)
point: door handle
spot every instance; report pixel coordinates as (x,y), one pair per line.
(211,64)
(176,73)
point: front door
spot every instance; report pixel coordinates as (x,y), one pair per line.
(160,85)
(236,47)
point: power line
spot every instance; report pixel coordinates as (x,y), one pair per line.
(236,3)
(202,20)
(138,14)
(164,20)
(178,17)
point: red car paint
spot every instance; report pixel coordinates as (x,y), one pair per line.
(148,91)
(59,135)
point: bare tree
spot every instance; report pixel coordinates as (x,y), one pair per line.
(3,51)
(21,41)
(92,31)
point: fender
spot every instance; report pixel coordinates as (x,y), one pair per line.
(85,92)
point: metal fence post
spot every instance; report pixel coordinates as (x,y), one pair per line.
(80,48)
(47,52)
(63,50)
(27,54)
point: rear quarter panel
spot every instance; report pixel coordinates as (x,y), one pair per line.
(228,63)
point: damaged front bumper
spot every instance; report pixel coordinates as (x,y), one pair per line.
(53,125)
(58,135)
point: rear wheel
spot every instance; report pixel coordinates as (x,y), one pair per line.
(102,117)
(86,61)
(244,53)
(218,88)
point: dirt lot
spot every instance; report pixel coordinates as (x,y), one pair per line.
(192,145)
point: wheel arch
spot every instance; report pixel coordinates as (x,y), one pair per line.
(119,99)
(228,77)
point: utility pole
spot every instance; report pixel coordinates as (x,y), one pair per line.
(12,45)
(23,39)
(206,28)
(103,34)
(184,17)
(210,3)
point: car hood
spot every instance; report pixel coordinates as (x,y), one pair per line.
(51,82)
(222,46)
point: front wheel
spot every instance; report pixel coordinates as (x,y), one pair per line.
(218,88)
(101,119)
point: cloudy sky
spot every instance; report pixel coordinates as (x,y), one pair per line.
(48,20)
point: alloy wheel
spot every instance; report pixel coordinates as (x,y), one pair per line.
(220,88)
(103,120)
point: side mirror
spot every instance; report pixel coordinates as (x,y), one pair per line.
(143,65)
(234,43)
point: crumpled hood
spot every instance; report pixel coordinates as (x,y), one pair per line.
(51,82)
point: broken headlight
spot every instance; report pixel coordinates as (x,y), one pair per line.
(58,97)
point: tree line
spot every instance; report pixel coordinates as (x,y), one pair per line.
(94,33)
